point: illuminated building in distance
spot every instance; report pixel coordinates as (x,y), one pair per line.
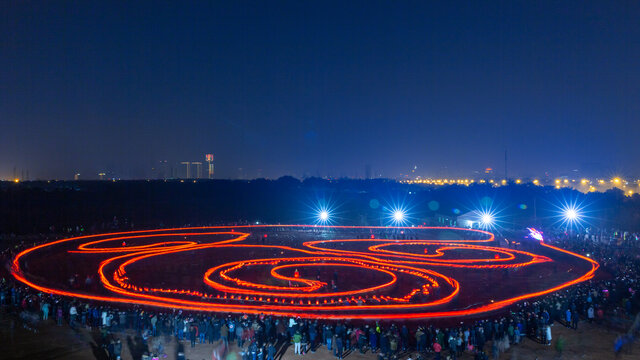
(188,165)
(209,159)
(198,165)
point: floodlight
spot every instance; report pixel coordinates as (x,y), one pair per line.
(486,219)
(398,215)
(571,214)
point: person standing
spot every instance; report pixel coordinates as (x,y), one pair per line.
(59,315)
(260,353)
(202,331)
(253,349)
(373,339)
(104,316)
(297,339)
(304,344)
(224,333)
(339,347)
(393,344)
(329,334)
(404,336)
(117,349)
(437,349)
(154,321)
(73,313)
(418,335)
(313,334)
(271,351)
(495,351)
(231,329)
(453,349)
(192,335)
(210,329)
(575,318)
(548,335)
(45,311)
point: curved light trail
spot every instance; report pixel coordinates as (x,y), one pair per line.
(382,278)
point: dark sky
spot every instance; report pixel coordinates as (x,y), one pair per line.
(319,88)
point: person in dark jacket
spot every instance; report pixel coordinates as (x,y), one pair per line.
(339,347)
(271,351)
(192,335)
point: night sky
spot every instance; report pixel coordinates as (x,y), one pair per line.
(319,88)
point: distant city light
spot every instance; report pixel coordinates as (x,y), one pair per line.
(324,215)
(584,185)
(398,215)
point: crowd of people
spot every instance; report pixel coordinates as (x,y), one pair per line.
(259,337)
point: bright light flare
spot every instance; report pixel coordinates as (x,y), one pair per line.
(486,219)
(398,215)
(399,212)
(323,216)
(323,212)
(571,214)
(487,215)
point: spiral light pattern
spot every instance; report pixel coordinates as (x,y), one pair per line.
(245,273)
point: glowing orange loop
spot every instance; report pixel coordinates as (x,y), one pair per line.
(230,293)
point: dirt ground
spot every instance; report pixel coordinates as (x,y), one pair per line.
(48,341)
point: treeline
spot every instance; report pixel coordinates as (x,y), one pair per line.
(31,207)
